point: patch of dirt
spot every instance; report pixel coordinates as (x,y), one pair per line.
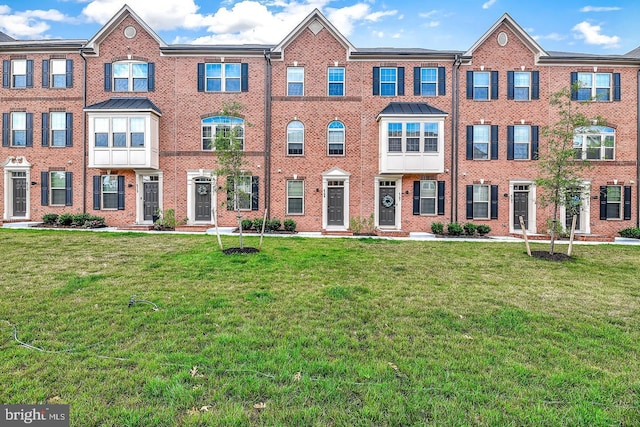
(559,257)
(245,250)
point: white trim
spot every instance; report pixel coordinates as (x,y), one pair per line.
(140,174)
(191,188)
(335,174)
(15,164)
(398,197)
(531,205)
(585,210)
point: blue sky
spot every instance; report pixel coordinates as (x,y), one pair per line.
(603,27)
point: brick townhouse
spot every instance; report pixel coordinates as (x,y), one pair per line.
(122,125)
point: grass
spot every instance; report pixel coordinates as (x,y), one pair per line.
(319,332)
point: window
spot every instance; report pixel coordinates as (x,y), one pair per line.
(58,188)
(428,81)
(17,73)
(596,86)
(394,137)
(58,130)
(522,85)
(295,81)
(521,139)
(428,197)
(614,201)
(19,129)
(336,81)
(430,137)
(101,132)
(481,142)
(223,77)
(482,201)
(295,139)
(130,76)
(229,128)
(594,143)
(246,191)
(482,85)
(388,81)
(243,189)
(295,197)
(415,136)
(109,192)
(336,138)
(119,132)
(61,71)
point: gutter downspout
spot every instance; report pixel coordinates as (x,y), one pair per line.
(267,133)
(638,155)
(455,105)
(84,135)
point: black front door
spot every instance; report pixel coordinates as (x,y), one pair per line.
(151,200)
(335,206)
(203,201)
(19,197)
(520,209)
(572,206)
(387,205)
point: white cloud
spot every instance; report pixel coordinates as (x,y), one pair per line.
(600,9)
(591,34)
(433,24)
(30,24)
(427,14)
(488,4)
(159,14)
(551,36)
(375,16)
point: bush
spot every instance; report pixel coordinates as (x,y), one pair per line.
(483,229)
(454,229)
(246,224)
(273,224)
(633,233)
(290,225)
(50,218)
(363,225)
(257,224)
(470,229)
(94,222)
(437,228)
(65,219)
(80,219)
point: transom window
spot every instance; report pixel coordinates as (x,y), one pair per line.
(521,142)
(223,77)
(119,132)
(412,137)
(521,86)
(58,187)
(336,81)
(428,197)
(130,76)
(481,80)
(336,137)
(388,81)
(596,86)
(594,143)
(428,81)
(109,192)
(295,81)
(295,139)
(481,201)
(223,127)
(481,139)
(295,197)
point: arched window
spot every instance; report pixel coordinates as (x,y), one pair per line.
(295,139)
(231,128)
(335,138)
(594,143)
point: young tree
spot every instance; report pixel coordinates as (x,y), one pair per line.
(231,161)
(559,168)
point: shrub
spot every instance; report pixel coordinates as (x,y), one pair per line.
(289,225)
(454,229)
(50,218)
(470,229)
(246,224)
(437,228)
(65,219)
(362,225)
(483,229)
(274,224)
(94,222)
(632,232)
(80,219)
(257,224)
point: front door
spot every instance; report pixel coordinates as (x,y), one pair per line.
(387,205)
(573,206)
(521,206)
(335,205)
(19,195)
(151,200)
(203,201)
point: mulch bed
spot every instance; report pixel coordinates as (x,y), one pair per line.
(245,250)
(556,256)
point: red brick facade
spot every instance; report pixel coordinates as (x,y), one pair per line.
(368,178)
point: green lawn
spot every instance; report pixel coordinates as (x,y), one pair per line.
(318,331)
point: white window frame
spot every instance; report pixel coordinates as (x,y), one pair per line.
(619,202)
(590,89)
(295,76)
(103,181)
(112,130)
(521,85)
(295,128)
(58,68)
(245,193)
(478,141)
(58,126)
(336,137)
(429,136)
(518,141)
(423,196)
(427,81)
(477,201)
(60,191)
(477,85)
(340,82)
(17,68)
(15,127)
(295,196)
(229,76)
(399,132)
(585,135)
(388,77)
(210,126)
(131,78)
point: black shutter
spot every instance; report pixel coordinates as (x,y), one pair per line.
(442,81)
(616,87)
(45,129)
(494,202)
(230,204)
(441,188)
(535,85)
(574,80)
(255,180)
(29,73)
(29,142)
(244,77)
(107,77)
(6,73)
(45,73)
(510,85)
(68,193)
(469,201)
(44,188)
(510,144)
(6,131)
(416,197)
(200,76)
(494,142)
(603,202)
(69,130)
(469,84)
(494,85)
(417,78)
(535,143)
(120,192)
(376,80)
(469,142)
(627,202)
(151,76)
(69,73)
(400,81)
(97,192)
